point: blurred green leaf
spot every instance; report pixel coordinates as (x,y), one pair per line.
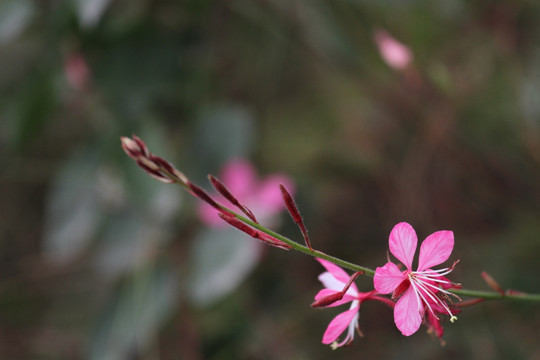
(15,15)
(222,132)
(221,259)
(90,11)
(131,239)
(34,109)
(72,210)
(133,317)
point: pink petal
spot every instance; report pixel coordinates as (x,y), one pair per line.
(209,215)
(435,249)
(403,242)
(338,274)
(269,195)
(408,313)
(330,282)
(394,53)
(387,278)
(335,270)
(326,292)
(338,325)
(239,176)
(434,324)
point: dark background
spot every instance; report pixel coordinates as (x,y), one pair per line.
(98,260)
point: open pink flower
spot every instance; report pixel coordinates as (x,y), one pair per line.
(334,280)
(394,53)
(419,289)
(263,198)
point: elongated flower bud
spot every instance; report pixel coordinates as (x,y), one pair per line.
(222,189)
(328,300)
(257,234)
(295,214)
(156,166)
(492,283)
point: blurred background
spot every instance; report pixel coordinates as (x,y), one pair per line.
(99,261)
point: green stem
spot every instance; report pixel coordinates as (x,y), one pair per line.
(306,250)
(487,295)
(493,295)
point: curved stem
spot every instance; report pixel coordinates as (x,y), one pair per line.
(315,253)
(487,295)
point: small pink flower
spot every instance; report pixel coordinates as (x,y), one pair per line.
(394,53)
(334,280)
(76,71)
(263,198)
(419,290)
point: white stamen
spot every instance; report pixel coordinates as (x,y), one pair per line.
(420,281)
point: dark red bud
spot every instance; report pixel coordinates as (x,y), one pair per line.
(328,300)
(201,194)
(154,173)
(515,292)
(162,163)
(468,303)
(131,147)
(222,189)
(295,214)
(492,283)
(290,204)
(401,288)
(254,233)
(142,145)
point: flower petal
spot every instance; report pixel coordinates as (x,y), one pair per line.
(209,215)
(434,325)
(436,249)
(339,324)
(403,242)
(327,292)
(339,275)
(239,176)
(330,282)
(408,313)
(387,278)
(270,196)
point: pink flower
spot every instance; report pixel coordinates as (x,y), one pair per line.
(263,198)
(419,289)
(334,281)
(76,71)
(394,53)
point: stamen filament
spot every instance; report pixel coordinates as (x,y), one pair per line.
(415,286)
(423,289)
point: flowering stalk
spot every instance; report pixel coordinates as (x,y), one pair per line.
(165,172)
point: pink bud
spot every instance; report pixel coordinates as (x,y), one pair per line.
(394,53)
(293,210)
(222,189)
(328,300)
(257,234)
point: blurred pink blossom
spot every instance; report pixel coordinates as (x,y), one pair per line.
(334,281)
(418,290)
(263,197)
(394,53)
(77,71)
